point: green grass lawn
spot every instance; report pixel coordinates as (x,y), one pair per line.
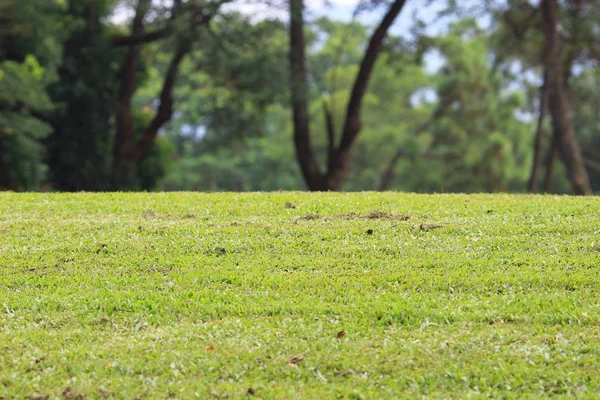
(297,295)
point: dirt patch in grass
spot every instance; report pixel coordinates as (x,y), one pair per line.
(311,216)
(153,215)
(352,216)
(426,227)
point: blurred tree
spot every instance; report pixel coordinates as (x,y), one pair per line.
(84,95)
(527,34)
(563,131)
(30,39)
(228,116)
(395,106)
(182,24)
(338,153)
(490,152)
(199,94)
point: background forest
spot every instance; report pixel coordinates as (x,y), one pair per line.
(415,95)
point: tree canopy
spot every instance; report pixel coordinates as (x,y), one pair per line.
(493,96)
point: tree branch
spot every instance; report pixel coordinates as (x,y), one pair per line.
(520,28)
(353,124)
(591,164)
(165,109)
(388,174)
(537,155)
(124,142)
(330,127)
(568,146)
(140,38)
(199,16)
(550,165)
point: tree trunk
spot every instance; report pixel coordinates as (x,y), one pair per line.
(550,166)
(539,138)
(165,109)
(568,146)
(129,150)
(314,178)
(338,156)
(125,141)
(6,181)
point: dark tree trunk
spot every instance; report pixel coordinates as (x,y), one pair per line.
(550,165)
(6,181)
(568,146)
(539,139)
(165,109)
(141,37)
(330,127)
(338,156)
(314,178)
(125,141)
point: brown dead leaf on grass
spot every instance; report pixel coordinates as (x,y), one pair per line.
(353,215)
(426,227)
(69,394)
(375,215)
(149,214)
(387,215)
(340,334)
(37,396)
(295,360)
(311,216)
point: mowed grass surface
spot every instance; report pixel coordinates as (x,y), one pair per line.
(329,296)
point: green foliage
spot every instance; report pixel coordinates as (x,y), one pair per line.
(175,294)
(263,163)
(477,143)
(22,98)
(490,153)
(29,52)
(235,75)
(454,129)
(586,103)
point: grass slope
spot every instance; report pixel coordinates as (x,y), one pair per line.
(333,296)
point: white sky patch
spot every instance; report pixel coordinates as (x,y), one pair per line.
(124,13)
(121,14)
(280,10)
